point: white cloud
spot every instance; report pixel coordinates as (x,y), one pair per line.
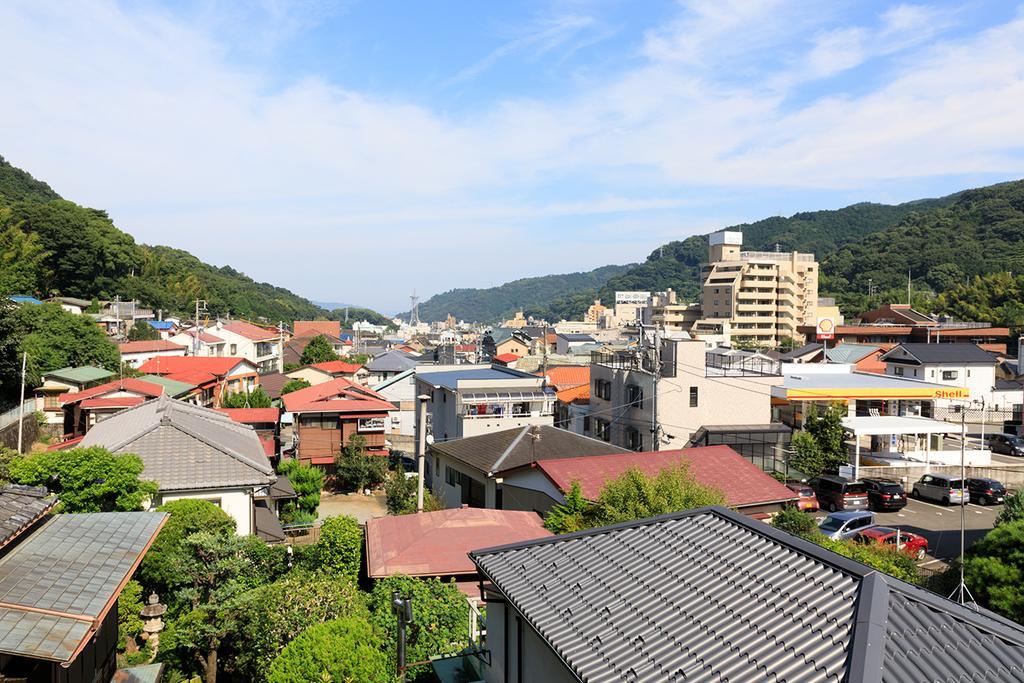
(146,114)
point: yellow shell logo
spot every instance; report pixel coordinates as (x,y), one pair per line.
(825,325)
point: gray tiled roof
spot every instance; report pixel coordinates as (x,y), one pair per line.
(711,595)
(391,361)
(185,447)
(943,353)
(515,447)
(72,567)
(20,507)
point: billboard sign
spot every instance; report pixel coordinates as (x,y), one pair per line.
(631,297)
(826,328)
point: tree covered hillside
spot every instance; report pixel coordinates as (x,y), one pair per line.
(498,303)
(51,246)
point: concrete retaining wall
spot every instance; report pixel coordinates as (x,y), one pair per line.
(1011,476)
(9,434)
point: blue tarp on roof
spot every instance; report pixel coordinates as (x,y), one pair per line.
(160,324)
(21,299)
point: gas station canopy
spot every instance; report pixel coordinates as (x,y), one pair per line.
(891,424)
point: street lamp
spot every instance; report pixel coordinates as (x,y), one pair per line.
(402,609)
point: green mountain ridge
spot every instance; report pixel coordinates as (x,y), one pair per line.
(52,246)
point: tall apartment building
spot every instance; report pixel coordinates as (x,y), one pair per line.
(764,295)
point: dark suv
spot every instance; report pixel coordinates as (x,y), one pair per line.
(836,493)
(885,495)
(1007,444)
(985,491)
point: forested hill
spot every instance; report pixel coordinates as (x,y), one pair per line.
(51,246)
(494,304)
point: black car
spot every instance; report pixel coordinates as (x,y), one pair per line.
(885,495)
(1007,444)
(985,491)
(401,459)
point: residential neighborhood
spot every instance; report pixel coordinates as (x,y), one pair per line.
(348,342)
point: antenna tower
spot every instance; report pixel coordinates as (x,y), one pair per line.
(414,310)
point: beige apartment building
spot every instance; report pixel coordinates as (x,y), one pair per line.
(695,387)
(764,295)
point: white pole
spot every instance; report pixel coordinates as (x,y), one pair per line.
(421,448)
(856,456)
(21,407)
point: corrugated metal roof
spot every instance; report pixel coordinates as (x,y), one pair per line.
(850,353)
(942,353)
(81,375)
(711,595)
(71,567)
(450,378)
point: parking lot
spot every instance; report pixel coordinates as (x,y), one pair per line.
(940,525)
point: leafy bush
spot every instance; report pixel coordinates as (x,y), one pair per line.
(357,470)
(257,398)
(440,618)
(318,350)
(339,651)
(340,547)
(307,481)
(267,618)
(401,494)
(572,515)
(1013,509)
(87,479)
(994,570)
(796,522)
(129,620)
(158,568)
(634,495)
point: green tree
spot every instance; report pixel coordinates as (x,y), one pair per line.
(796,522)
(269,617)
(440,614)
(7,456)
(806,454)
(308,482)
(318,350)
(400,491)
(994,570)
(1013,509)
(340,547)
(143,331)
(129,620)
(357,470)
(87,479)
(257,398)
(187,517)
(338,651)
(885,559)
(635,495)
(294,385)
(22,258)
(572,515)
(827,429)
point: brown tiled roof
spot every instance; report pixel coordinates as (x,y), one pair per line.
(250,331)
(149,346)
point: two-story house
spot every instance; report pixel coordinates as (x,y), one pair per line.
(633,395)
(213,377)
(467,400)
(136,353)
(200,343)
(966,366)
(65,381)
(261,345)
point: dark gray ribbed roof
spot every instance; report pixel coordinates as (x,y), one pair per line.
(20,507)
(941,353)
(391,361)
(709,594)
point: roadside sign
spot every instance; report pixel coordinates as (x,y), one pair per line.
(826,328)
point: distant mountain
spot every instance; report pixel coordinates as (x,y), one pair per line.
(49,245)
(494,304)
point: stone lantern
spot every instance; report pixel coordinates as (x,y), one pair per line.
(152,623)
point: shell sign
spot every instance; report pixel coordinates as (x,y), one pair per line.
(826,328)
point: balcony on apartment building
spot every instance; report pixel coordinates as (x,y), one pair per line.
(740,363)
(632,360)
(495,405)
(775,256)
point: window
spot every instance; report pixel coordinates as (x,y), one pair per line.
(634,396)
(693,397)
(634,440)
(949,374)
(51,402)
(603,389)
(898,371)
(602,430)
(234,349)
(586,424)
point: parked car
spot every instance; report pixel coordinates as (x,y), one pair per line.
(807,501)
(912,544)
(1007,444)
(942,488)
(885,495)
(836,493)
(985,491)
(401,459)
(839,525)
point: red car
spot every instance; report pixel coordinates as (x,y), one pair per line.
(807,501)
(912,544)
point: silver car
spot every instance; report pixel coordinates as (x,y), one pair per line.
(942,488)
(840,525)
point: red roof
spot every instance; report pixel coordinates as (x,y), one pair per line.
(337,396)
(742,482)
(167,365)
(579,393)
(115,402)
(150,346)
(64,445)
(251,415)
(506,357)
(437,543)
(465,348)
(269,445)
(338,367)
(196,378)
(205,337)
(311,328)
(566,376)
(250,331)
(130,384)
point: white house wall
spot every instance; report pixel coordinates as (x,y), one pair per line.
(236,503)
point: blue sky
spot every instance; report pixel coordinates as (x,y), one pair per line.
(353,151)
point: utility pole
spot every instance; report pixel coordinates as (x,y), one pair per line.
(656,440)
(909,302)
(21,406)
(402,609)
(196,331)
(280,346)
(545,341)
(961,590)
(421,448)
